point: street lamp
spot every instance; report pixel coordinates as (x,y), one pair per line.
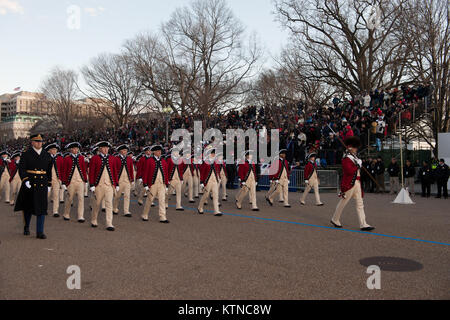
(167,112)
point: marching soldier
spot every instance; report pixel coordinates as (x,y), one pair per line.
(176,169)
(74,179)
(351,185)
(196,177)
(209,181)
(57,166)
(311,180)
(156,182)
(280,180)
(223,177)
(188,177)
(249,180)
(103,179)
(15,180)
(5,176)
(126,180)
(35,170)
(141,167)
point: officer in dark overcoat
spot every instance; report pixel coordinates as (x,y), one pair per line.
(35,170)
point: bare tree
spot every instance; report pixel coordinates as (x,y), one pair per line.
(60,92)
(426,29)
(348,44)
(113,88)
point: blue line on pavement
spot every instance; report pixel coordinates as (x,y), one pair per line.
(322,227)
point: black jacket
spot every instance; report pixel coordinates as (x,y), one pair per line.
(37,169)
(409,172)
(393,170)
(426,174)
(442,173)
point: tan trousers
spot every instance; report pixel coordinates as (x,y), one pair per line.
(55,194)
(250,188)
(313,184)
(410,184)
(106,193)
(223,184)
(282,187)
(211,187)
(196,184)
(175,185)
(354,193)
(15,187)
(394,185)
(125,188)
(188,184)
(75,189)
(158,190)
(5,185)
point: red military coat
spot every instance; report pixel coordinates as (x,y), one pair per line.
(151,172)
(125,164)
(309,170)
(244,170)
(350,174)
(172,166)
(141,166)
(97,166)
(206,170)
(70,165)
(58,163)
(282,165)
(13,168)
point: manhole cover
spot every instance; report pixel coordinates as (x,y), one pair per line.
(392,264)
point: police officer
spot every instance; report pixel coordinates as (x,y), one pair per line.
(35,169)
(393,171)
(426,179)
(442,174)
(409,174)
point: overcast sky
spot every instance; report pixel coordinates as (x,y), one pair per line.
(34,36)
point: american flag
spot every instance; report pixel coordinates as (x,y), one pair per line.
(17,89)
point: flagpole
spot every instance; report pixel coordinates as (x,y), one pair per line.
(401,149)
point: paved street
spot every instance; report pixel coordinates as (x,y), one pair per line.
(273,254)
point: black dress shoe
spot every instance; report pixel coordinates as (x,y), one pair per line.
(192,201)
(165,222)
(200,212)
(320,204)
(56,215)
(218,215)
(94,226)
(180,209)
(153,205)
(270,203)
(128,215)
(115,213)
(111,229)
(103,210)
(368,229)
(145,220)
(335,225)
(81,221)
(26,232)
(255,209)
(65,219)
(287,207)
(61,202)
(41,236)
(140,204)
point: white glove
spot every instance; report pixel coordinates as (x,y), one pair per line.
(92,189)
(28,184)
(133,185)
(147,188)
(64,187)
(117,189)
(277,181)
(306,182)
(49,189)
(243,183)
(202,185)
(256,183)
(167,189)
(140,180)
(359,162)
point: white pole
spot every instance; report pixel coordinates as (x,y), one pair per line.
(401,149)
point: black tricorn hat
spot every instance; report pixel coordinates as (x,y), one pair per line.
(157,148)
(103,144)
(52,146)
(283,151)
(122,147)
(353,142)
(73,145)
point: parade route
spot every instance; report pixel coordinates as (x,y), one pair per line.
(276,253)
